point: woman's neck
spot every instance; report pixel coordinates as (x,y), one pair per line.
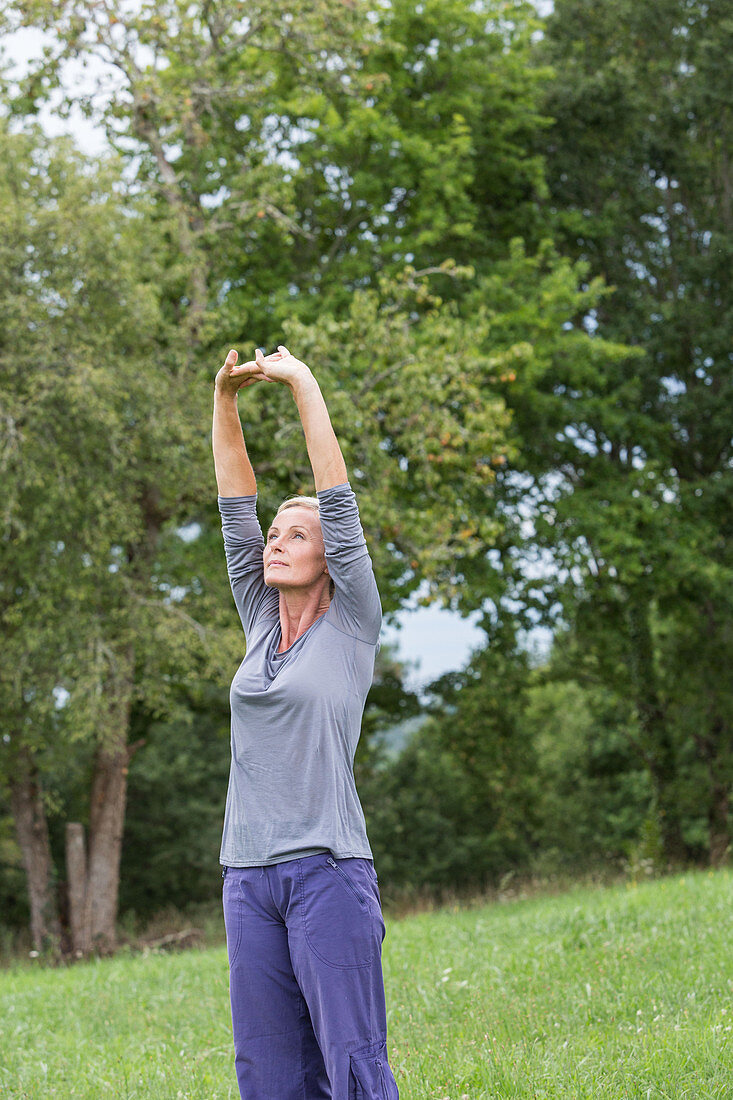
(298,612)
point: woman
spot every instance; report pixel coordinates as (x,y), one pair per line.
(301,903)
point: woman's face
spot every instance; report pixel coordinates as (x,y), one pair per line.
(294,555)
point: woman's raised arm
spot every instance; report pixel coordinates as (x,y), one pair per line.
(234,474)
(324,452)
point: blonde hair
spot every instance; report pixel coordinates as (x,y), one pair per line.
(295,502)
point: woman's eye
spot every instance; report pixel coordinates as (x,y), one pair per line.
(297,535)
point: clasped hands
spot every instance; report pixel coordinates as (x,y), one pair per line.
(279,366)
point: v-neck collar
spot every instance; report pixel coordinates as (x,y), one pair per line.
(277,637)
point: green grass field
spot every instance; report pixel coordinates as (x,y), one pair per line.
(616,992)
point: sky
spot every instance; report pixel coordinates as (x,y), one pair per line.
(433,641)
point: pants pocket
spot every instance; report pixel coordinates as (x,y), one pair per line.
(233,917)
(344,878)
(342,926)
(371,1077)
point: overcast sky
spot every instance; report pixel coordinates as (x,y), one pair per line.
(434,640)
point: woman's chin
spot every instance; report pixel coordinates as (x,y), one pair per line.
(274,579)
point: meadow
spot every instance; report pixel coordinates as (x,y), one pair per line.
(614,992)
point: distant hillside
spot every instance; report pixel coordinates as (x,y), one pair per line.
(396,737)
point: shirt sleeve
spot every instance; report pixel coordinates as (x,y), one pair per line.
(355,606)
(243,545)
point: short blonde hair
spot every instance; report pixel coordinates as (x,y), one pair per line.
(295,502)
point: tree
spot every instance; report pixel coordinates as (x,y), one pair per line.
(176,801)
(630,463)
(593,790)
(455,809)
(93,463)
(304,152)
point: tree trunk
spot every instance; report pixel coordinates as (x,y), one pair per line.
(94,879)
(26,801)
(106,826)
(93,871)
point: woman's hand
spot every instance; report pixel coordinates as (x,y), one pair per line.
(232,378)
(327,461)
(281,366)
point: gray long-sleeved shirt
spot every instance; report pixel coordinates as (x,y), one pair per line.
(296,716)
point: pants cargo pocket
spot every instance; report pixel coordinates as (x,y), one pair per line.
(371,1077)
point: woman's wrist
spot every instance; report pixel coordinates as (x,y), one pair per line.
(304,382)
(225,393)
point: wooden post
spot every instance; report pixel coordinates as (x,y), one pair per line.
(76,873)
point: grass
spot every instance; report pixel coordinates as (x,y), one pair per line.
(621,992)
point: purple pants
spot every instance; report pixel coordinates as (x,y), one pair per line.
(305,970)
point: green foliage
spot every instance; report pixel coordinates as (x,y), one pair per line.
(456,808)
(263,199)
(425,154)
(389,706)
(94,453)
(301,152)
(626,460)
(175,808)
(13,896)
(593,790)
(100,468)
(518,770)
